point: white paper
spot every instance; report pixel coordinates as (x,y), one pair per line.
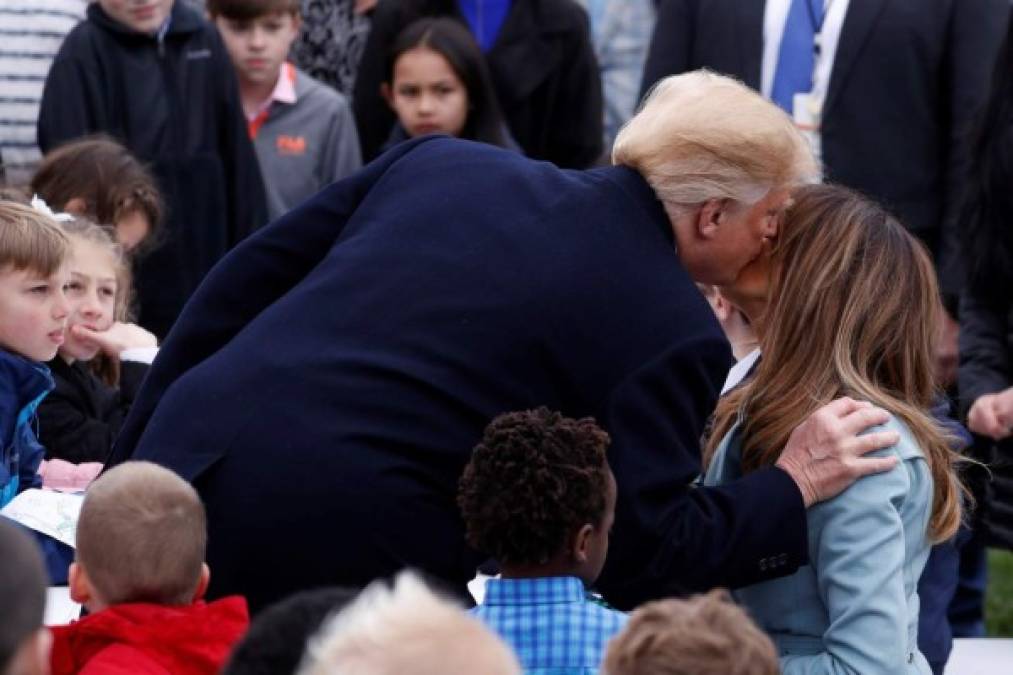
(60,609)
(49,512)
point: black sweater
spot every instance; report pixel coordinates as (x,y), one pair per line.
(82,416)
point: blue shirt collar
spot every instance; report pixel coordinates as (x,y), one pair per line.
(539,591)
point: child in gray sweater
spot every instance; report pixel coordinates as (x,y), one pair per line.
(302,130)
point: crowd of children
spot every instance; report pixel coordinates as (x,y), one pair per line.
(139,571)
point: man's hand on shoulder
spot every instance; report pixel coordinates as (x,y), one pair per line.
(825,454)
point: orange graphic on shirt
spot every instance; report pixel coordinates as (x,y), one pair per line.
(291,145)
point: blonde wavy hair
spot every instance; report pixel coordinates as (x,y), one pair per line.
(701,136)
(852,311)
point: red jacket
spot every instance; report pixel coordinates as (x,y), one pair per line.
(146,639)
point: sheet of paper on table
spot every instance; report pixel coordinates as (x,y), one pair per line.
(49,512)
(60,609)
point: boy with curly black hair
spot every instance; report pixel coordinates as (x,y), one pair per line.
(539,497)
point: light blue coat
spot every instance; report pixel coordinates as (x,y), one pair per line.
(854,608)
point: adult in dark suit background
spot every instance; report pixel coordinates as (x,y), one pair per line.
(325,388)
(906,81)
(542,65)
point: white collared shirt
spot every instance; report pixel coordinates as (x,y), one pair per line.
(774,18)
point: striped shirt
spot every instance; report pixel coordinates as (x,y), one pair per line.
(31,32)
(551,623)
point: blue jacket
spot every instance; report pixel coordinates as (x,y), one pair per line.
(23,385)
(326,385)
(854,609)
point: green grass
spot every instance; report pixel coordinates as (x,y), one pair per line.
(999,598)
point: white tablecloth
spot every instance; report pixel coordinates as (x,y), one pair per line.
(989,656)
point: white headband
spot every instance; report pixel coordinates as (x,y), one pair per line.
(42,207)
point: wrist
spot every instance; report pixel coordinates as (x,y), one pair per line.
(802,481)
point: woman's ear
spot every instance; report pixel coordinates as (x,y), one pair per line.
(76,206)
(202,584)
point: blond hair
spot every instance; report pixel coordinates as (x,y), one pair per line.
(701,136)
(30,240)
(406,629)
(141,536)
(704,635)
(852,312)
(105,368)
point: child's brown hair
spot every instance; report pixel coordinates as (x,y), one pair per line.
(245,10)
(704,635)
(103,173)
(30,240)
(141,536)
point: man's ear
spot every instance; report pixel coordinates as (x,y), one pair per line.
(202,584)
(709,218)
(80,586)
(582,543)
(387,94)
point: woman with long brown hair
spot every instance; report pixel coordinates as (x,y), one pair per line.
(850,309)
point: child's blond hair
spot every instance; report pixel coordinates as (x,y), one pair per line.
(141,536)
(30,240)
(704,635)
(406,628)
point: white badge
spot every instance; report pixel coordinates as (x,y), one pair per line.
(808,110)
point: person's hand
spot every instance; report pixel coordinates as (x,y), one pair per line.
(363,6)
(824,454)
(991,415)
(1004,409)
(116,338)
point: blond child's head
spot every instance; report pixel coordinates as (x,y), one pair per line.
(141,537)
(33,273)
(407,628)
(704,635)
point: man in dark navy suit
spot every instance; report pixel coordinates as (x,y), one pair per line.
(325,387)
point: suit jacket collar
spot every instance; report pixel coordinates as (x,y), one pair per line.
(858,24)
(749,32)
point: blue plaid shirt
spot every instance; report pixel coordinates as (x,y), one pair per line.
(550,623)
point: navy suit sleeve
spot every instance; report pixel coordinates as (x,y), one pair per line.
(976,32)
(671,538)
(672,44)
(250,278)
